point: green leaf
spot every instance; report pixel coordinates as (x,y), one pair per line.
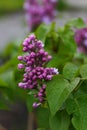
(58,91)
(42,117)
(74,84)
(83,87)
(62,59)
(18,75)
(29,101)
(70,106)
(78,23)
(79,119)
(83,71)
(54,62)
(71,127)
(60,121)
(70,71)
(42,32)
(68,45)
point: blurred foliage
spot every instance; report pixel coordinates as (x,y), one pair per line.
(8,75)
(62,5)
(9,6)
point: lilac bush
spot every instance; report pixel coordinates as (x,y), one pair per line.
(62,98)
(35,71)
(37,13)
(81,39)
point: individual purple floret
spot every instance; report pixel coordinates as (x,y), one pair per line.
(35,71)
(81,39)
(38,12)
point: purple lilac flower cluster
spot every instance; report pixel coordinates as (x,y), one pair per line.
(81,39)
(37,12)
(34,65)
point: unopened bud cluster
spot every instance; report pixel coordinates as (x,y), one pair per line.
(38,12)
(34,65)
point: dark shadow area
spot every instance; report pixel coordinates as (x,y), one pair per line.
(16,118)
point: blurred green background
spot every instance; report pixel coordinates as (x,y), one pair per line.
(10,6)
